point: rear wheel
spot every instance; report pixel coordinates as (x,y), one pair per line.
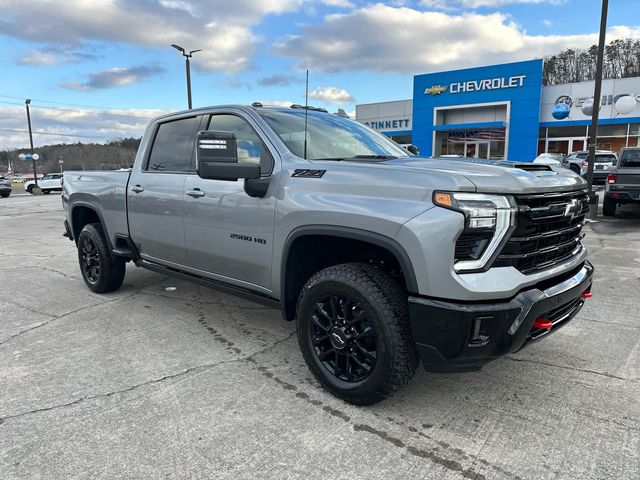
(609,207)
(46,192)
(354,333)
(101,272)
(30,189)
(5,195)
(575,168)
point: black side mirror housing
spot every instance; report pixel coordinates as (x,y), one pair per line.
(217,157)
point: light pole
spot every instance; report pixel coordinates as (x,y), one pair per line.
(33,159)
(187,56)
(593,131)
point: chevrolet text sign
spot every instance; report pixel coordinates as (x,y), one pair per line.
(478,85)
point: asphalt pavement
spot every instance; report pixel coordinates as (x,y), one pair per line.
(156,382)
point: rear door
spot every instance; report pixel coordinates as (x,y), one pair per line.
(228,234)
(156,187)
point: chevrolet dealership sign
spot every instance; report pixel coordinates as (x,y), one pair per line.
(478,85)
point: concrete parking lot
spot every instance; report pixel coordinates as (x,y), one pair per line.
(190,383)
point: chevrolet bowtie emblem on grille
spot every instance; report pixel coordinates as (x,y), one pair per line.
(435,90)
(572,208)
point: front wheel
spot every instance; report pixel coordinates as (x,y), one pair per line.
(101,272)
(46,192)
(609,207)
(354,334)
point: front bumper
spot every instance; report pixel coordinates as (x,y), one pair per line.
(459,337)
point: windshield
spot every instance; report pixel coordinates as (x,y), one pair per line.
(329,137)
(630,158)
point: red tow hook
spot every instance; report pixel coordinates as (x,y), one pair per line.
(586,294)
(542,323)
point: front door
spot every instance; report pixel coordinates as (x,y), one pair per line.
(477,150)
(228,234)
(155,203)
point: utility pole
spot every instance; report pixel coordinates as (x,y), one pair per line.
(187,56)
(593,131)
(33,159)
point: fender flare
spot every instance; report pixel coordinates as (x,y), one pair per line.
(377,239)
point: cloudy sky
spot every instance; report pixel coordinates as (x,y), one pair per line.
(99,69)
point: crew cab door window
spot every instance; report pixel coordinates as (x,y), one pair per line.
(250,147)
(173,146)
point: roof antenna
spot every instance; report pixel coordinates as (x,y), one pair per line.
(306,113)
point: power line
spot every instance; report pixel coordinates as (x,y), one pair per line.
(55,134)
(58,103)
(101,113)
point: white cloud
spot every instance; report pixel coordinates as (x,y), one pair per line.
(473,4)
(383,38)
(223,29)
(332,95)
(337,3)
(277,103)
(116,77)
(70,125)
(52,55)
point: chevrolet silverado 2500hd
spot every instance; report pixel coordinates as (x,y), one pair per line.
(385,260)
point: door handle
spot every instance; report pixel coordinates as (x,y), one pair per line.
(196,192)
(137,189)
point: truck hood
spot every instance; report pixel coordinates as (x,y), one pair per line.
(491,176)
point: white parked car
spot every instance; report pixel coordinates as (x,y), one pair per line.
(605,162)
(48,183)
(553,159)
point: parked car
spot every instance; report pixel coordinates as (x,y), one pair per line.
(51,182)
(623,183)
(384,259)
(5,187)
(603,165)
(553,159)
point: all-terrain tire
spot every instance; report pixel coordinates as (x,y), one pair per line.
(101,271)
(378,298)
(609,207)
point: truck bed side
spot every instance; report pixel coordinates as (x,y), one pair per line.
(97,193)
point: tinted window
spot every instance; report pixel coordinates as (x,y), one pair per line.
(250,147)
(173,145)
(605,158)
(630,158)
(582,156)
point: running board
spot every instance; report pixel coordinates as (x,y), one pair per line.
(209,283)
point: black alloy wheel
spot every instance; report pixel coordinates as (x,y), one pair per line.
(101,271)
(90,260)
(343,338)
(354,334)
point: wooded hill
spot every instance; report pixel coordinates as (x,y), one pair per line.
(621,60)
(112,155)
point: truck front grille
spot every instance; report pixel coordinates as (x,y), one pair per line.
(548,231)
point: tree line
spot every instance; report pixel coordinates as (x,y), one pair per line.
(621,60)
(114,154)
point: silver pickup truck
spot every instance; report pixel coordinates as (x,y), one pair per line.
(383,259)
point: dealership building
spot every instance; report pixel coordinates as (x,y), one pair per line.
(505,112)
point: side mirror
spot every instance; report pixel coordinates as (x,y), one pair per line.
(217,157)
(412,149)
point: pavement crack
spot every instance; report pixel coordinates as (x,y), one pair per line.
(573,369)
(66,314)
(195,369)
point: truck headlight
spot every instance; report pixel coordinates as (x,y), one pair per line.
(488,219)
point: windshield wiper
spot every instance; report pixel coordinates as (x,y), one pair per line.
(381,157)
